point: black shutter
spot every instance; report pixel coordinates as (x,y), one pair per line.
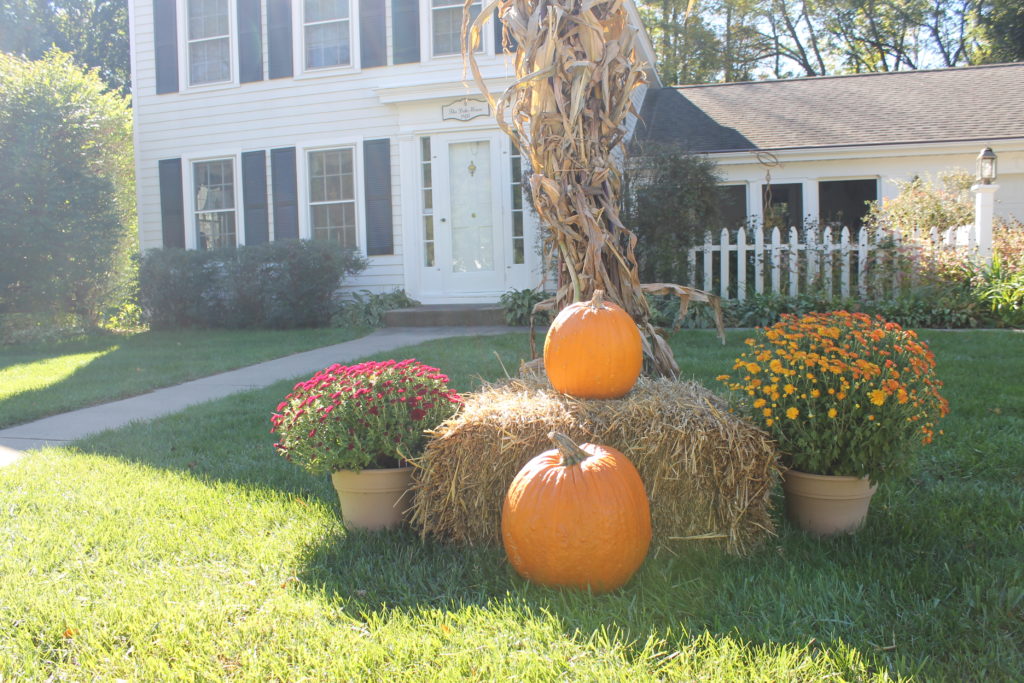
(279,37)
(172,203)
(372,34)
(165,37)
(377,181)
(254,197)
(250,41)
(499,26)
(286,199)
(405,31)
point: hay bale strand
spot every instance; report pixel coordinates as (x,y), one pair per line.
(708,473)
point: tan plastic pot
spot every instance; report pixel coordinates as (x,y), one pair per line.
(826,505)
(374,499)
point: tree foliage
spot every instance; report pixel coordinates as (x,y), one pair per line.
(924,203)
(733,40)
(67,225)
(94,31)
(1002,25)
(670,199)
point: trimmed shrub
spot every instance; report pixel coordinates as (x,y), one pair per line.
(279,285)
(67,210)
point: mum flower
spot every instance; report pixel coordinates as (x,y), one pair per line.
(844,367)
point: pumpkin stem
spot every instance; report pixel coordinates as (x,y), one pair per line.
(597,301)
(571,453)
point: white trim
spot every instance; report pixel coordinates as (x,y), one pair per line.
(133,63)
(922,149)
(299,69)
(191,229)
(308,204)
(184,72)
(302,179)
(446,89)
(427,36)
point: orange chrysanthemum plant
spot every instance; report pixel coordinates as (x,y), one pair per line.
(842,393)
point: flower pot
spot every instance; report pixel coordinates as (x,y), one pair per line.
(826,505)
(374,499)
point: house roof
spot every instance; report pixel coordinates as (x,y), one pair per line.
(904,107)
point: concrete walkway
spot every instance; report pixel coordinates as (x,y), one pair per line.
(60,429)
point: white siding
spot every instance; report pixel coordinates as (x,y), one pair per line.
(888,164)
(305,110)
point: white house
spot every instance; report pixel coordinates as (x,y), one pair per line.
(343,120)
(352,121)
(819,148)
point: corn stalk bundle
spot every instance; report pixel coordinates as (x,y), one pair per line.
(576,67)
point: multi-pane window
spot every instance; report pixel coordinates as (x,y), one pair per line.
(332,196)
(518,237)
(209,41)
(446,25)
(428,202)
(327,36)
(213,183)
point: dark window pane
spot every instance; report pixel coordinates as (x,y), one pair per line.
(846,202)
(783,205)
(732,205)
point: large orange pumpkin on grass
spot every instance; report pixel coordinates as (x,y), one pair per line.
(593,350)
(577,516)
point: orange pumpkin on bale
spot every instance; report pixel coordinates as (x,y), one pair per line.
(593,350)
(577,516)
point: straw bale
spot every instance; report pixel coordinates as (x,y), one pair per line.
(708,473)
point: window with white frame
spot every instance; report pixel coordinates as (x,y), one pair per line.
(516,190)
(209,41)
(326,33)
(213,184)
(427,183)
(446,26)
(332,196)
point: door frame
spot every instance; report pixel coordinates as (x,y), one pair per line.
(512,275)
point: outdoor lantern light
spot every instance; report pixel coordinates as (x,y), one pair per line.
(986,166)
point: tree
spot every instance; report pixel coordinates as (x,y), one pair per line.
(734,40)
(94,31)
(67,226)
(1002,25)
(670,198)
(717,41)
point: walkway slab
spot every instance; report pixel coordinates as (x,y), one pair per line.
(60,429)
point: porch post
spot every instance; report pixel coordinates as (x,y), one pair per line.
(984,204)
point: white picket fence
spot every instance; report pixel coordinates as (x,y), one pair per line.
(828,260)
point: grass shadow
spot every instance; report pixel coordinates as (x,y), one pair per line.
(132,364)
(230,440)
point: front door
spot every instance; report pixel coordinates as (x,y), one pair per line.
(466,256)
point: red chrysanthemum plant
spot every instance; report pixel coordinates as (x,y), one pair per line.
(842,393)
(367,416)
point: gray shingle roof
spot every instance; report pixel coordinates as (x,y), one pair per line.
(941,105)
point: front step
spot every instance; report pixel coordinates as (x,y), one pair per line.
(446,315)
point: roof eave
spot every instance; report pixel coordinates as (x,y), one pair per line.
(862,145)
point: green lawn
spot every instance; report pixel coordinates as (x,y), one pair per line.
(185,549)
(40,380)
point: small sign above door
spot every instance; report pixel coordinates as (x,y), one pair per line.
(465,109)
